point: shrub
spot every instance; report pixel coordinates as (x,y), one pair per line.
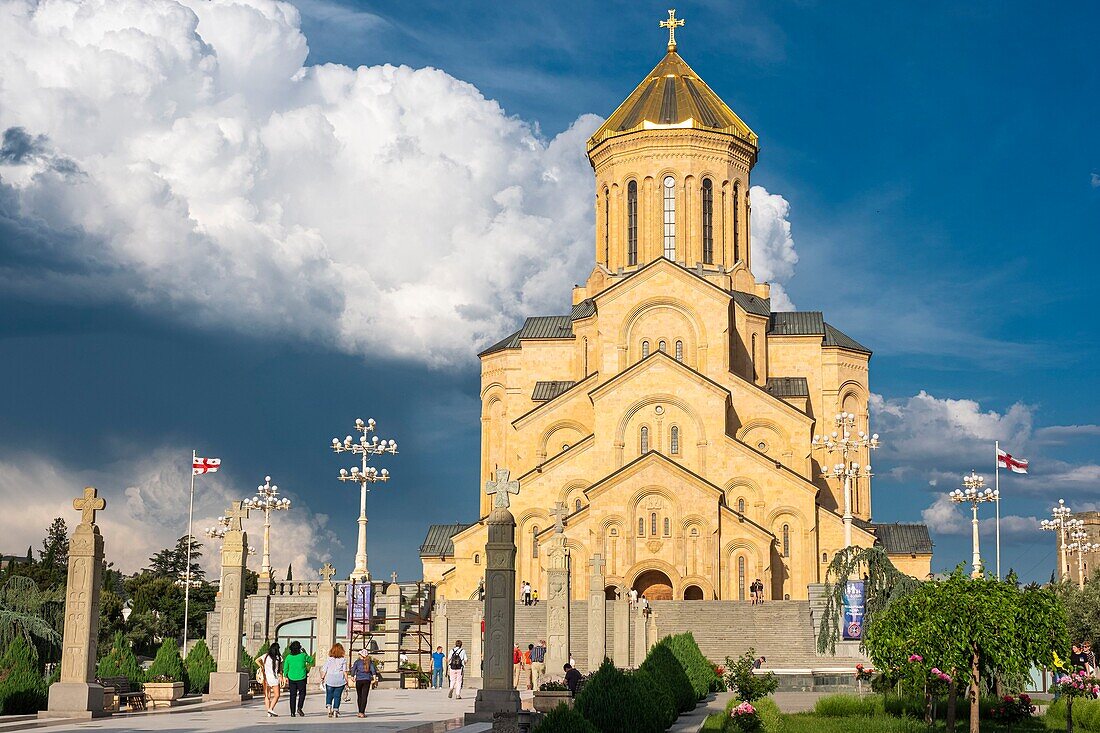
(742,679)
(247,662)
(121,662)
(22,686)
(697,667)
(769,714)
(553,686)
(1012,710)
(663,704)
(564,719)
(744,719)
(663,665)
(715,723)
(843,706)
(1086,714)
(167,666)
(199,664)
(613,702)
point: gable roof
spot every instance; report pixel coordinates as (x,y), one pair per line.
(652,455)
(544,391)
(752,303)
(438,541)
(535,327)
(788,387)
(903,539)
(812,323)
(643,363)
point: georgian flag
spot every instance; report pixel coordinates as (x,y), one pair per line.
(205,465)
(1016,465)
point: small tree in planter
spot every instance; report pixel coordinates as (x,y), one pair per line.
(121,662)
(198,665)
(22,686)
(167,677)
(1072,686)
(563,719)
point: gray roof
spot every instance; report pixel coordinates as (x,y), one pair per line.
(752,303)
(811,323)
(537,327)
(549,390)
(788,387)
(438,540)
(903,539)
(835,337)
(584,309)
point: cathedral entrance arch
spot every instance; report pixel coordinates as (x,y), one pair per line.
(693,593)
(654,585)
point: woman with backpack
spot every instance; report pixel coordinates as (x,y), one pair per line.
(364,672)
(296,665)
(270,667)
(457,664)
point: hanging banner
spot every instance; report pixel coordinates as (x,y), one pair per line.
(853,610)
(358,608)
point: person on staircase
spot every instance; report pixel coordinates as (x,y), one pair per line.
(538,663)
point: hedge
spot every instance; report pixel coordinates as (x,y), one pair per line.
(613,701)
(22,685)
(698,668)
(663,665)
(564,719)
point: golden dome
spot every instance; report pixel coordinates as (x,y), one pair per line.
(672,96)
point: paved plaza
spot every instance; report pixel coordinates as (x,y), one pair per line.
(412,711)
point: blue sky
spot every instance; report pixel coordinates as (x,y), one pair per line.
(941,163)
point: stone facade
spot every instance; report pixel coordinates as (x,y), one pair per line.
(671,411)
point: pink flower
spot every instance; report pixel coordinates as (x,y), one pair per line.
(916,658)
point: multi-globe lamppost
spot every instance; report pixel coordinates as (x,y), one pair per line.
(364,475)
(1081,547)
(267,500)
(846,442)
(1062,523)
(974,492)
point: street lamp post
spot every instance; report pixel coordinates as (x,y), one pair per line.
(363,475)
(267,500)
(846,442)
(1061,522)
(1080,547)
(974,492)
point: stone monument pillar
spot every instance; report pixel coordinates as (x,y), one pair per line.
(620,651)
(557,607)
(597,621)
(440,632)
(77,695)
(326,614)
(230,682)
(498,698)
(475,655)
(640,648)
(650,631)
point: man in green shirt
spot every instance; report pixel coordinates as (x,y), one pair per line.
(296,666)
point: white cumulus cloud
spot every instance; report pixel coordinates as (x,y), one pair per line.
(944,517)
(186,161)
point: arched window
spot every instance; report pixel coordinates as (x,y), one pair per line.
(674,440)
(632,223)
(577,505)
(661,346)
(645,349)
(736,233)
(679,351)
(824,557)
(741,505)
(694,531)
(477,559)
(535,541)
(708,221)
(786,540)
(641,527)
(668,527)
(741,578)
(614,532)
(606,227)
(653,524)
(670,217)
(754,357)
(644,440)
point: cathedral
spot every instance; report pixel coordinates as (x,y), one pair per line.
(666,423)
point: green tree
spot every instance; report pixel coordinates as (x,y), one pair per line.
(1082,609)
(22,686)
(168,665)
(171,562)
(29,614)
(200,664)
(966,625)
(119,661)
(55,547)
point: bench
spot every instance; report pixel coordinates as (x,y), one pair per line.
(125,693)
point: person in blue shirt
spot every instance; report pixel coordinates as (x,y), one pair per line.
(437,668)
(364,672)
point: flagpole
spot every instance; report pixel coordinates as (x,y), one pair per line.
(187,571)
(997,488)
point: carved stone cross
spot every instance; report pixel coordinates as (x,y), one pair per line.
(596,563)
(88,505)
(559,512)
(393,577)
(501,488)
(235,513)
(327,571)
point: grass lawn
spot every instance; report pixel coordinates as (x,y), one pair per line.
(814,723)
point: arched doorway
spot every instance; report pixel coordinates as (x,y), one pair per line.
(693,593)
(611,593)
(654,585)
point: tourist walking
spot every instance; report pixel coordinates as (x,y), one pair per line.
(270,668)
(457,665)
(437,668)
(334,673)
(534,596)
(296,666)
(517,665)
(527,676)
(633,598)
(364,672)
(538,663)
(525,593)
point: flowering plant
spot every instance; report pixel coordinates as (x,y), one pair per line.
(863,673)
(745,718)
(1076,684)
(1010,710)
(916,658)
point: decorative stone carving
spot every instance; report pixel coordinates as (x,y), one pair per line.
(230,682)
(326,613)
(597,604)
(557,606)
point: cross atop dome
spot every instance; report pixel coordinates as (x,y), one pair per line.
(672,24)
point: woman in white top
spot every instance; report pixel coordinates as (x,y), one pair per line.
(270,674)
